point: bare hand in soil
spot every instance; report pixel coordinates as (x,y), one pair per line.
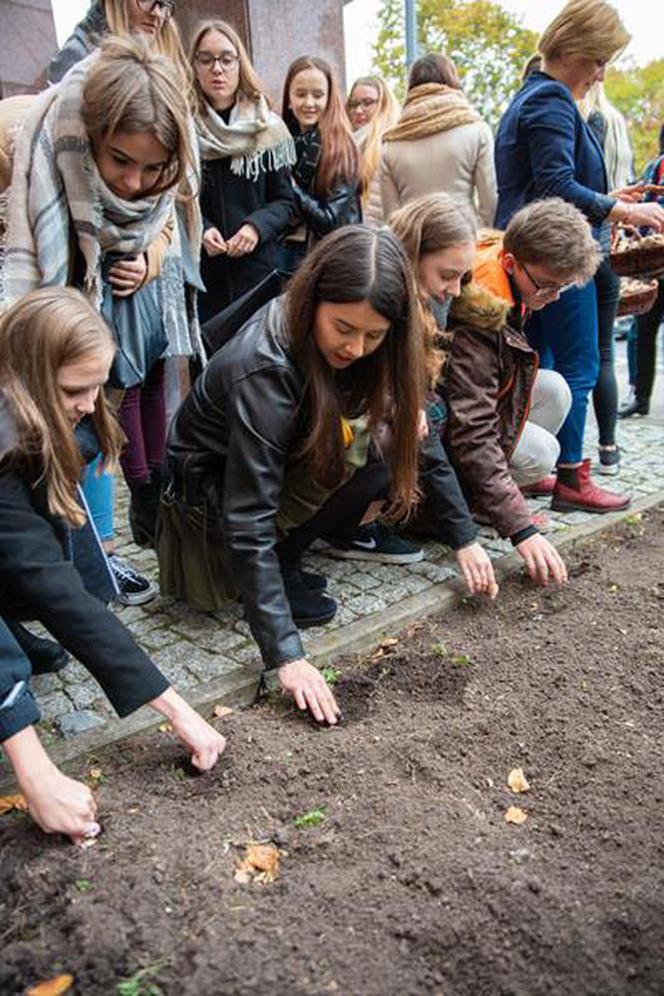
(59,804)
(200,739)
(477,570)
(310,690)
(542,560)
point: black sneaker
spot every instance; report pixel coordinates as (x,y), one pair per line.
(375,542)
(134,589)
(609,461)
(309,607)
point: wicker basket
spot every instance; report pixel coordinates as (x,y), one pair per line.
(639,257)
(636,297)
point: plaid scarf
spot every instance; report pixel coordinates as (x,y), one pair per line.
(431,108)
(56,187)
(255,138)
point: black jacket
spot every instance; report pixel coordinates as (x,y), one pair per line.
(38,581)
(233,436)
(229,201)
(340,207)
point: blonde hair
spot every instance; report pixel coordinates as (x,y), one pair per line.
(250,85)
(129,88)
(617,147)
(429,224)
(44,331)
(386,116)
(554,234)
(167,41)
(591,28)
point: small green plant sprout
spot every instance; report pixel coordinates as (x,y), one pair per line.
(438,649)
(139,984)
(633,520)
(460,660)
(331,675)
(311,818)
(83,885)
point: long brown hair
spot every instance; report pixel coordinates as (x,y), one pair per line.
(250,86)
(47,329)
(429,224)
(340,159)
(129,88)
(357,263)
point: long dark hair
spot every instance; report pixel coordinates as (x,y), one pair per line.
(357,263)
(340,159)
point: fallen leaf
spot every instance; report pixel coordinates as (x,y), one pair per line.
(95,774)
(516,815)
(260,864)
(517,780)
(12,802)
(52,987)
(220,711)
(165,728)
(389,641)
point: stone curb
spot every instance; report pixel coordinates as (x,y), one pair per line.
(239,687)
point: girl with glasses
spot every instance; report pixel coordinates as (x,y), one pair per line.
(372,109)
(246,195)
(326,174)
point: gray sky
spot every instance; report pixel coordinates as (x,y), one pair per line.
(644,18)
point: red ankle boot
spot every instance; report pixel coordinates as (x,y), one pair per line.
(540,489)
(586,496)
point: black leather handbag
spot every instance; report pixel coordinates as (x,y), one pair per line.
(218,330)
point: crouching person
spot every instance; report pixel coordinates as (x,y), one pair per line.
(505,411)
(55,355)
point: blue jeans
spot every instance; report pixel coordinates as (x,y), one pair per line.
(99,492)
(565,335)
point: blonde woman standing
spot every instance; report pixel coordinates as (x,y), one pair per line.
(372,110)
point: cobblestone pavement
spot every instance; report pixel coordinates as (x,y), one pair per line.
(196,650)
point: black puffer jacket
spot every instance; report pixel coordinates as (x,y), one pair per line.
(229,201)
(232,438)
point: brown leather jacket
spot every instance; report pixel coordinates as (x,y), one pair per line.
(487,383)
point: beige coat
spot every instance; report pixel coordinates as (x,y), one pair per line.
(458,162)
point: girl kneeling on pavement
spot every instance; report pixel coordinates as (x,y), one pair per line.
(55,355)
(273,447)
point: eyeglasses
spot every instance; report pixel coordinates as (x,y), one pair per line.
(545,288)
(365,104)
(226,61)
(166,8)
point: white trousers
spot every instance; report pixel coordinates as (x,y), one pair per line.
(538,450)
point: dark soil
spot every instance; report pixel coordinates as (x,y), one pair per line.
(413,882)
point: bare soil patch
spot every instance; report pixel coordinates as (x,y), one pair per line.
(408,879)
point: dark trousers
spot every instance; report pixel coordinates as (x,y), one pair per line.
(342,512)
(605,393)
(646,341)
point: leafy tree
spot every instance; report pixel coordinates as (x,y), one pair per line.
(638,91)
(488,44)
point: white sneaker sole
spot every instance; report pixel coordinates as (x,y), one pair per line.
(373,557)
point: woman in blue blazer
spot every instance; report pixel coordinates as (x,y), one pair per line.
(544,148)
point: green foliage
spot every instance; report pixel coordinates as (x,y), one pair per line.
(439,650)
(489,46)
(331,675)
(460,660)
(311,818)
(83,885)
(638,91)
(139,984)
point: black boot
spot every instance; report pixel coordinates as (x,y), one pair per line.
(143,510)
(308,606)
(45,656)
(634,406)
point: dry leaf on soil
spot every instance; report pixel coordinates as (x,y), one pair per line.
(53,987)
(516,815)
(260,864)
(220,711)
(11,802)
(517,780)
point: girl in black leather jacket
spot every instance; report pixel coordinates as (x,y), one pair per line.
(55,354)
(273,446)
(326,174)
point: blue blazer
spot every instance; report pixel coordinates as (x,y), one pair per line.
(544,148)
